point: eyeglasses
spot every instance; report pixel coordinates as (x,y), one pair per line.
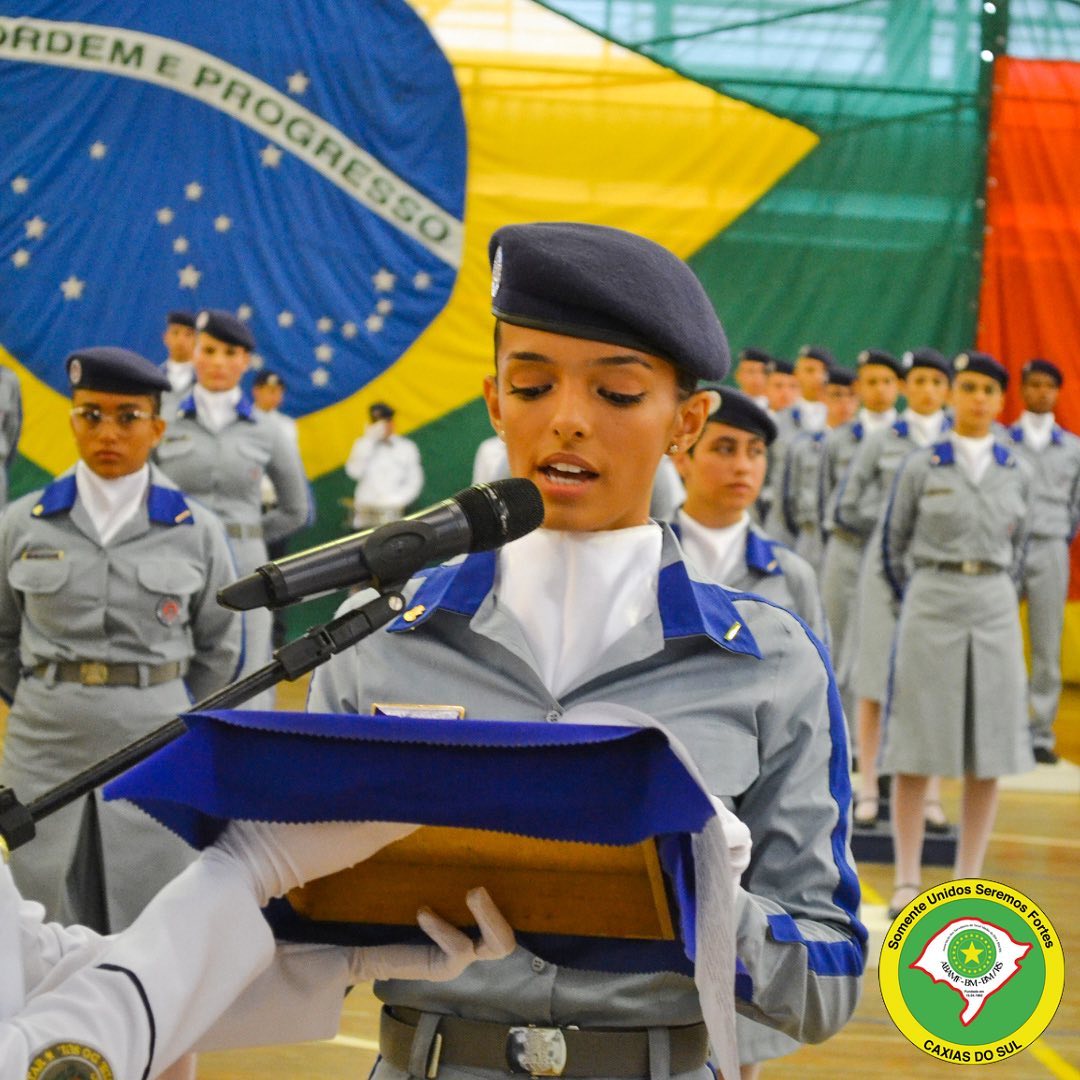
(93,417)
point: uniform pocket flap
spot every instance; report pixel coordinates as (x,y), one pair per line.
(176,578)
(39,575)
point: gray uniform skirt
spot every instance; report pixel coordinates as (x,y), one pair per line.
(876,621)
(957,702)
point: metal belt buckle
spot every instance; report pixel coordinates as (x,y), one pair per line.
(970,566)
(538,1051)
(93,673)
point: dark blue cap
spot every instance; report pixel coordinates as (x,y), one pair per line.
(818,352)
(266,377)
(880,358)
(1042,367)
(604,284)
(114,371)
(926,358)
(777,366)
(982,364)
(841,376)
(740,411)
(180,318)
(225,326)
(379,410)
(759,356)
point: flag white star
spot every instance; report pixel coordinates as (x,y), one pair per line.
(222,223)
(20,185)
(35,228)
(325,324)
(383,280)
(384,307)
(271,156)
(257,361)
(349,329)
(20,258)
(98,150)
(422,280)
(244,312)
(324,354)
(72,288)
(374,323)
(193,191)
(189,277)
(297,82)
(320,376)
(164,216)
(286,319)
(180,245)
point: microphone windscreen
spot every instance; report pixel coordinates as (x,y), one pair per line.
(501,511)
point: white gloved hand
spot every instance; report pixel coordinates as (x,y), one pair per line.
(738,840)
(452,952)
(279,856)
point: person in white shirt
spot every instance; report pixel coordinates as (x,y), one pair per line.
(179,340)
(387,470)
(490,462)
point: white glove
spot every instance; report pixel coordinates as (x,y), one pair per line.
(738,840)
(452,952)
(279,856)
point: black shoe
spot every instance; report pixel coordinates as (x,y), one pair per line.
(1045,756)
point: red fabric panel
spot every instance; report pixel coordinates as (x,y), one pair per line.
(1030,299)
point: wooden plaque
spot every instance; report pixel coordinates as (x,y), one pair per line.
(541,886)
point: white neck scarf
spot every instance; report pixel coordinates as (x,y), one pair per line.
(180,375)
(812,414)
(974,454)
(717,553)
(111,504)
(924,429)
(876,421)
(216,408)
(576,594)
(1037,429)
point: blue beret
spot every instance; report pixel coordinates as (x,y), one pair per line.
(841,376)
(114,371)
(266,377)
(225,326)
(926,358)
(759,356)
(604,284)
(982,364)
(816,352)
(881,358)
(379,410)
(777,366)
(180,318)
(739,411)
(1042,367)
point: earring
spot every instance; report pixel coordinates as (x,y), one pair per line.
(501,432)
(673,448)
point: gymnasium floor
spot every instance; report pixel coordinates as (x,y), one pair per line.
(1035,848)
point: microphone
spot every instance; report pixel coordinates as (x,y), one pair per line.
(479,518)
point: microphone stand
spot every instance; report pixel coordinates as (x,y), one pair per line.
(17,822)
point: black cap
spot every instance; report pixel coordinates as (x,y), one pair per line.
(379,410)
(180,318)
(604,284)
(982,364)
(1042,367)
(225,326)
(818,352)
(841,376)
(114,371)
(776,366)
(759,356)
(926,358)
(880,358)
(268,378)
(740,411)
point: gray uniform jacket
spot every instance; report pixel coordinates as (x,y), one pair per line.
(957,695)
(1055,507)
(225,470)
(800,495)
(10,425)
(147,597)
(789,423)
(748,690)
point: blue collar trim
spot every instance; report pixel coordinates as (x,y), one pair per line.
(687,607)
(167,506)
(857,430)
(57,498)
(761,554)
(1002,455)
(244,407)
(943,453)
(901,428)
(1057,434)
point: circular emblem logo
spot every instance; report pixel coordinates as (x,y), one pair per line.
(168,610)
(69,1061)
(201,320)
(907,359)
(496,272)
(971,971)
(961,362)
(75,372)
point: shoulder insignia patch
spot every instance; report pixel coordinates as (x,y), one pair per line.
(69,1061)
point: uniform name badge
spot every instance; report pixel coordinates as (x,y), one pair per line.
(418,712)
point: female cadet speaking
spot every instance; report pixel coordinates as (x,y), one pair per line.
(108,623)
(958,515)
(601,336)
(219,448)
(860,506)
